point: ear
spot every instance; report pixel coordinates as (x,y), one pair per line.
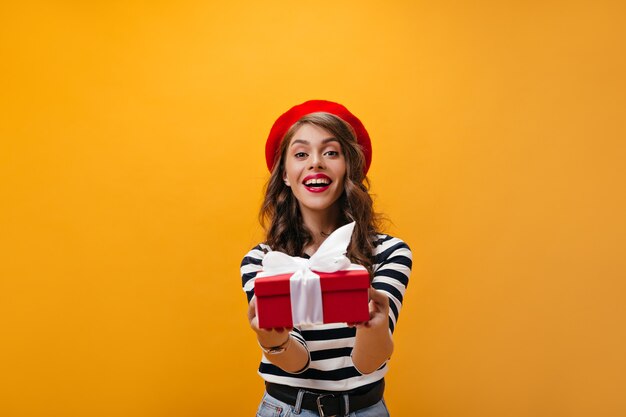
(285,180)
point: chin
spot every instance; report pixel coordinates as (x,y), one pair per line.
(319,206)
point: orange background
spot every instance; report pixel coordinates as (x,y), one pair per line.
(131,168)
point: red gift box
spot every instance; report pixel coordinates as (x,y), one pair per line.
(345,298)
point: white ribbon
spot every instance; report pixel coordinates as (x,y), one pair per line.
(306,292)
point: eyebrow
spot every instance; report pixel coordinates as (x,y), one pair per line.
(306,142)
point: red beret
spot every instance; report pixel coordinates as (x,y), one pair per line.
(284,122)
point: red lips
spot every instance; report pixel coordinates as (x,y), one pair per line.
(317,186)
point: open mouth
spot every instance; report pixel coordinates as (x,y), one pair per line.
(317,183)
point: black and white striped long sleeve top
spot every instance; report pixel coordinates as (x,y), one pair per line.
(330,345)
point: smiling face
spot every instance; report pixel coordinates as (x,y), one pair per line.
(315,168)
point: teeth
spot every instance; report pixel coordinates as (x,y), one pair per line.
(324,181)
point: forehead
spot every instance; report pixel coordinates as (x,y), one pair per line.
(312,134)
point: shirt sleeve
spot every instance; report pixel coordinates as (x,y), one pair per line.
(250,266)
(392,268)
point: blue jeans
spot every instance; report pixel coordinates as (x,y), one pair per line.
(271,407)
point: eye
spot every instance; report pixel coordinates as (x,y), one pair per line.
(332,153)
(300,155)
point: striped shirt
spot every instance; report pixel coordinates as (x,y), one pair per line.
(330,345)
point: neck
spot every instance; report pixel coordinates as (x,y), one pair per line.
(320,224)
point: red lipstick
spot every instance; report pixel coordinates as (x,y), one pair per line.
(317,186)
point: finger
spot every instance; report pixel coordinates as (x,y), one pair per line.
(378,297)
(362,324)
(252,309)
(254,323)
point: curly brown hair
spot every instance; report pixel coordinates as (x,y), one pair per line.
(280,213)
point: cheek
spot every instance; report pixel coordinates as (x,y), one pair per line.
(343,172)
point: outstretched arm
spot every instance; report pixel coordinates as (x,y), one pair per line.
(373,344)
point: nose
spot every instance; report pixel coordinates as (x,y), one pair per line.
(317,162)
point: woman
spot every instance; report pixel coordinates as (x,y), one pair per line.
(318,154)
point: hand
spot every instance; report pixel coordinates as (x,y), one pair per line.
(379,311)
(267,337)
